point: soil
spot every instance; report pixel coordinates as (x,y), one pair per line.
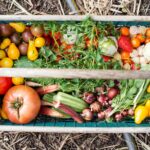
(51,141)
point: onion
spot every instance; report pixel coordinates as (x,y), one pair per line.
(108,111)
(102,99)
(118,117)
(101,115)
(89,97)
(112,92)
(100,90)
(124,113)
(87,114)
(95,107)
(131,112)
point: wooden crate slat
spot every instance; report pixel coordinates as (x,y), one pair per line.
(74,73)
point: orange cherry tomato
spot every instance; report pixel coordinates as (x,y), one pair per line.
(148,32)
(125,61)
(125,31)
(135,42)
(125,55)
(141,37)
(147,40)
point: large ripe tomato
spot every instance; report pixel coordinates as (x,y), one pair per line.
(21,104)
(5,84)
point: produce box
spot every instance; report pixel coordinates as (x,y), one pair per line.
(75,74)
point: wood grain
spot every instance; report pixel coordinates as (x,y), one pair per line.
(74,73)
(71,17)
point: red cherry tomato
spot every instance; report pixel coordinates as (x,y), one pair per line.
(106,58)
(5,84)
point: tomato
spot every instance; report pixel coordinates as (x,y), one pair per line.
(148,32)
(106,58)
(21,104)
(57,35)
(5,84)
(47,39)
(127,61)
(141,37)
(39,42)
(17,80)
(6,62)
(134,66)
(2,54)
(135,42)
(125,31)
(125,55)
(147,40)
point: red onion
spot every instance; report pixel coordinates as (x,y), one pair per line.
(101,115)
(124,113)
(100,90)
(118,117)
(95,107)
(113,92)
(89,97)
(107,112)
(87,114)
(131,112)
(102,98)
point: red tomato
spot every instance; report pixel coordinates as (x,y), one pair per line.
(106,58)
(5,84)
(134,66)
(47,39)
(21,104)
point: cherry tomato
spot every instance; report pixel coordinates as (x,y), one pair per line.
(106,58)
(56,35)
(125,55)
(147,40)
(148,33)
(135,42)
(39,42)
(21,104)
(5,84)
(141,37)
(47,39)
(129,61)
(6,63)
(125,31)
(17,80)
(134,66)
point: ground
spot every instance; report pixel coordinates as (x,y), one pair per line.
(51,141)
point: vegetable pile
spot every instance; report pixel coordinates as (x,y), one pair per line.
(84,45)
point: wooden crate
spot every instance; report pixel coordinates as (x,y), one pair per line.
(69,125)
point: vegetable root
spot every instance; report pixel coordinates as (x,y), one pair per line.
(47,89)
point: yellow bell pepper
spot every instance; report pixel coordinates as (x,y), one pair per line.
(141,112)
(18,26)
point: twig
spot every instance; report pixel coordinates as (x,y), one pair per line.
(63,142)
(62,10)
(138,8)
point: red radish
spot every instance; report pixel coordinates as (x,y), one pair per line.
(95,107)
(113,92)
(87,114)
(118,117)
(125,44)
(101,115)
(89,97)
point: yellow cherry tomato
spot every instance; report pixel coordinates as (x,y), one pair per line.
(148,89)
(6,63)
(141,113)
(17,80)
(18,26)
(39,42)
(3,114)
(5,43)
(13,52)
(2,54)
